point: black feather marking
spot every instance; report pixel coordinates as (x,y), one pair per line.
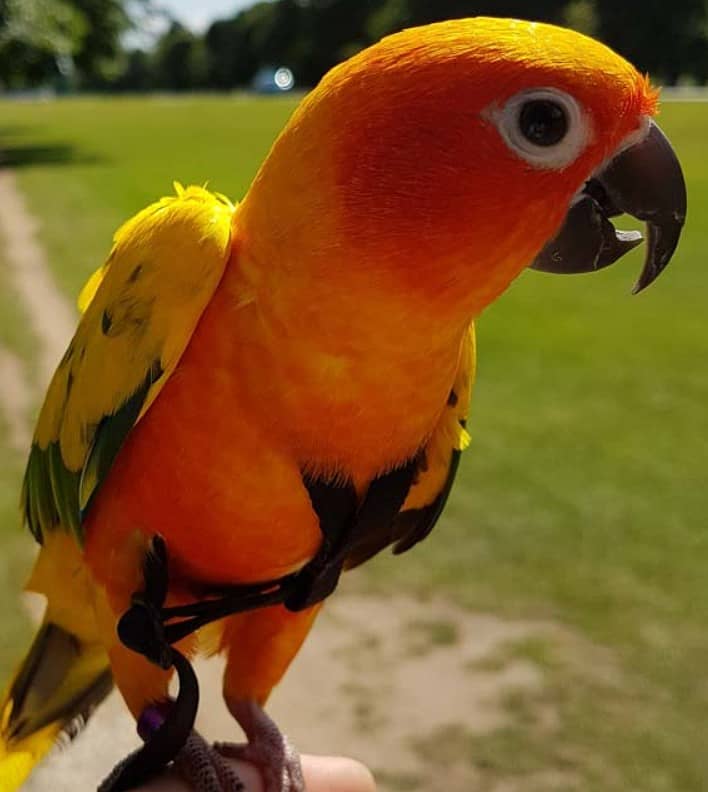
(371,524)
(155,571)
(452,399)
(54,652)
(421,462)
(384,499)
(414,525)
(126,315)
(408,527)
(68,354)
(113,430)
(135,274)
(334,504)
(84,705)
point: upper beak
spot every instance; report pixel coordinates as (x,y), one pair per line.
(644,181)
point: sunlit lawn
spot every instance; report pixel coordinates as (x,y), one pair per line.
(583,497)
(15,551)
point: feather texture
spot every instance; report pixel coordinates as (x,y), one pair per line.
(140,310)
(437,467)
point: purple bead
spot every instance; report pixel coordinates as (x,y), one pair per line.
(152,718)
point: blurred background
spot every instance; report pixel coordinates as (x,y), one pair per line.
(551,633)
(219,45)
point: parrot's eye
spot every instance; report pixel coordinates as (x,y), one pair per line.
(545,126)
(543,122)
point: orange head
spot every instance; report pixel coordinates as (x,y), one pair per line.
(443,158)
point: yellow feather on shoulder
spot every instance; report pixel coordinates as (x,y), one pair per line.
(192,193)
(140,310)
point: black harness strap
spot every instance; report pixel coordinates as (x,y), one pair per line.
(150,629)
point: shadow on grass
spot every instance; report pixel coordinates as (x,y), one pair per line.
(7,130)
(14,155)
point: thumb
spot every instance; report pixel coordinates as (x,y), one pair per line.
(336,774)
(322,774)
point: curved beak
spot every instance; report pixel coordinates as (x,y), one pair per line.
(645,181)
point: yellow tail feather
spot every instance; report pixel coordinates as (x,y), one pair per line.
(59,683)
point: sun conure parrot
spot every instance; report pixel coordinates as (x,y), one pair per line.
(255,386)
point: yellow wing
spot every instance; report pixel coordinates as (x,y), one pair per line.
(140,310)
(436,471)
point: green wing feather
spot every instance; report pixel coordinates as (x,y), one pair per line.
(141,309)
(51,491)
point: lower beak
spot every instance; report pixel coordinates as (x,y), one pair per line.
(644,181)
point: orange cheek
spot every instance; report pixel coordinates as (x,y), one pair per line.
(420,197)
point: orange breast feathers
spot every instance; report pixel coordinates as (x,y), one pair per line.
(388,214)
(216,464)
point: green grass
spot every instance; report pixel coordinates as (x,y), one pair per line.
(583,497)
(15,550)
(425,635)
(15,332)
(88,164)
(14,563)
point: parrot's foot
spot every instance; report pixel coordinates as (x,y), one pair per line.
(267,748)
(205,769)
(202,767)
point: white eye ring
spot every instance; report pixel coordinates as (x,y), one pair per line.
(554,156)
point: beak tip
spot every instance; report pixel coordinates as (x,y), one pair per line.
(644,181)
(663,241)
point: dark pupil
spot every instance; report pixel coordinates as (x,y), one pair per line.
(543,122)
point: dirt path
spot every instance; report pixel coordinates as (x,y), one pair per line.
(51,316)
(382,680)
(389,681)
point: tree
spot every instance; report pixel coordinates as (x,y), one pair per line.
(179,60)
(36,39)
(330,30)
(100,47)
(665,39)
(396,14)
(137,75)
(228,57)
(267,34)
(41,40)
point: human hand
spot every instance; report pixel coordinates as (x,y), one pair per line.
(322,774)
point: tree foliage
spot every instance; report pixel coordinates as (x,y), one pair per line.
(35,35)
(41,39)
(669,40)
